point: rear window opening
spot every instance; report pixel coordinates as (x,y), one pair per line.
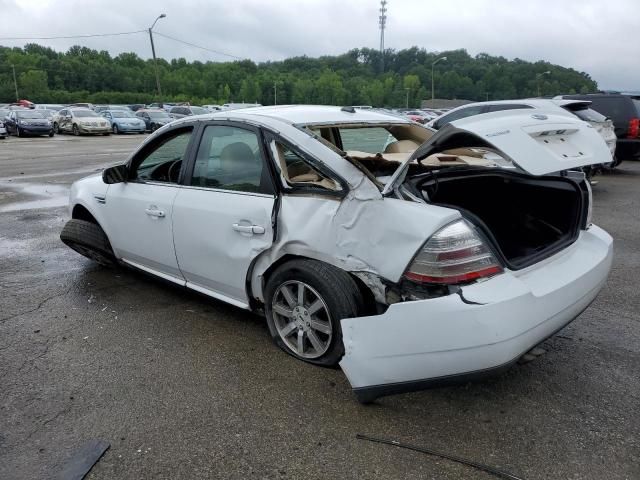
(525,218)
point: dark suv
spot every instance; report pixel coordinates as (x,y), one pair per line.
(624,110)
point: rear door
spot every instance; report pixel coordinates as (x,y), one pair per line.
(222,216)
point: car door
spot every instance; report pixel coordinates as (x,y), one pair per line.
(66,121)
(222,216)
(138,212)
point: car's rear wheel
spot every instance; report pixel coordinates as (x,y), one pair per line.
(75,130)
(88,239)
(304,303)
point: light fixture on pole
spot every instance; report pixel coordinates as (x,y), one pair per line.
(432,81)
(538,77)
(153,51)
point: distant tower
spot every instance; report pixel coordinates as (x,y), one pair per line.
(382,22)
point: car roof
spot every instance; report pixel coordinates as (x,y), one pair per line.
(308,114)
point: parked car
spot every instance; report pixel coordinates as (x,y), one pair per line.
(579,108)
(80,121)
(82,105)
(407,269)
(154,118)
(624,110)
(181,111)
(417,116)
(124,121)
(49,106)
(212,108)
(102,108)
(3,130)
(136,106)
(4,112)
(28,122)
(237,106)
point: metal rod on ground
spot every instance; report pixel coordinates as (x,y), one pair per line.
(453,458)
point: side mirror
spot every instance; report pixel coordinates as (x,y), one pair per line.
(115,174)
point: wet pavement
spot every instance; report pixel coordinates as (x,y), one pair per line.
(183,386)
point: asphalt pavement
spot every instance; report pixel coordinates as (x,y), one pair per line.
(183,386)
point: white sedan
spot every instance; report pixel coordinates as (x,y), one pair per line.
(410,258)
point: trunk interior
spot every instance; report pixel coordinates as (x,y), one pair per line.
(527,218)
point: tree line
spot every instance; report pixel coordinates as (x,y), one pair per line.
(358,77)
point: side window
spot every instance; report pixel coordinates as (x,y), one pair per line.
(296,171)
(161,161)
(229,158)
(506,106)
(458,114)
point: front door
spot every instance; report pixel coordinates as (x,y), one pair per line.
(139,211)
(222,218)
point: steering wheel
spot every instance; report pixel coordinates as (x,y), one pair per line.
(170,171)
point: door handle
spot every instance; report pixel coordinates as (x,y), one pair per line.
(154,212)
(252,229)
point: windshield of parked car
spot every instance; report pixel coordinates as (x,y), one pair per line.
(158,115)
(83,113)
(29,114)
(122,114)
(199,110)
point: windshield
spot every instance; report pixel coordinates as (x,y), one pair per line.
(83,113)
(29,114)
(199,110)
(158,115)
(122,114)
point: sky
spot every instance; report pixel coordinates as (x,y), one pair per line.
(595,36)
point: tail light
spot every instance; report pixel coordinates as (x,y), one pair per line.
(454,254)
(634,128)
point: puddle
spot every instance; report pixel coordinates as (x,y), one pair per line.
(49,196)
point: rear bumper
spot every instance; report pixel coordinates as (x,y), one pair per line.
(435,342)
(628,149)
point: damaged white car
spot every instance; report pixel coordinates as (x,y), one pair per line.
(408,257)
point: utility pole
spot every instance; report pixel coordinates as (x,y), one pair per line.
(382,22)
(15,82)
(155,61)
(275,93)
(432,82)
(538,77)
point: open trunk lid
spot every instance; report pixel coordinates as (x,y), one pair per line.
(540,143)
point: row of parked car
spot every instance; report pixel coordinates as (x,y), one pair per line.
(27,118)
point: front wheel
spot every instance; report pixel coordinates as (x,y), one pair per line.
(19,132)
(75,130)
(304,303)
(56,128)
(51,133)
(88,239)
(114,129)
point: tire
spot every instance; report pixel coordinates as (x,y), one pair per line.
(19,132)
(114,129)
(339,297)
(75,130)
(154,127)
(88,239)
(51,133)
(56,129)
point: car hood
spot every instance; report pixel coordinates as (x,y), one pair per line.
(538,143)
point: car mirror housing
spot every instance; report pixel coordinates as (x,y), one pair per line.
(115,174)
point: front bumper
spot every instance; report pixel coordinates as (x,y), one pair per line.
(92,129)
(36,129)
(426,343)
(132,128)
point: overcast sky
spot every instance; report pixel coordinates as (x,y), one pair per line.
(599,37)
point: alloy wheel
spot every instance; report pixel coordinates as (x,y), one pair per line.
(302,319)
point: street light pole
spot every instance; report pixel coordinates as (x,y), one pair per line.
(538,77)
(432,80)
(407,102)
(153,51)
(15,82)
(275,93)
